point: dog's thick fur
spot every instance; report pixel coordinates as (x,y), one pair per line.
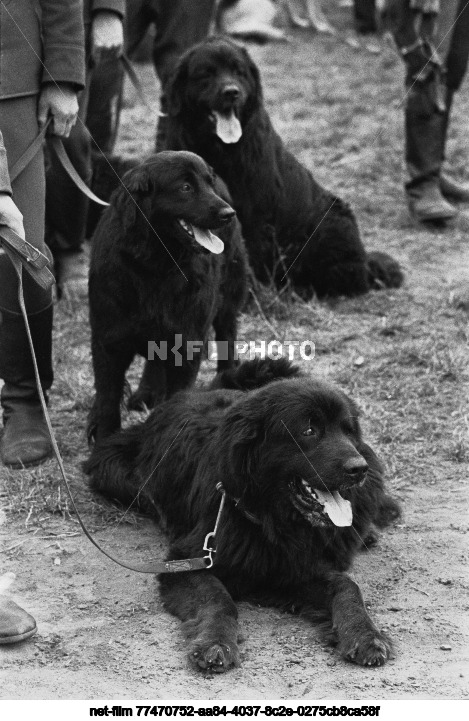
(108,171)
(274,543)
(151,281)
(294,229)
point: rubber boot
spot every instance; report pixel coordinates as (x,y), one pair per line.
(425,128)
(25,441)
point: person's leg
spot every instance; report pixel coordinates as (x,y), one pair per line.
(425,125)
(67,208)
(25,439)
(426,118)
(179,24)
(365,16)
(105,95)
(456,67)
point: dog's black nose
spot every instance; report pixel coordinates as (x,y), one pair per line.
(230,92)
(226,214)
(356,468)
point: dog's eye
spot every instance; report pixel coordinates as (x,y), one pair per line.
(348,429)
(241,72)
(311,431)
(203,74)
(186,188)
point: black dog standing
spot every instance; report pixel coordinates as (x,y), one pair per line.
(157,272)
(293,227)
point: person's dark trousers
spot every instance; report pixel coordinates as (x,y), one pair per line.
(66,205)
(456,67)
(25,440)
(426,127)
(458,54)
(365,16)
(179,25)
(104,102)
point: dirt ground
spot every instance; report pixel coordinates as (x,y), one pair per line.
(401,354)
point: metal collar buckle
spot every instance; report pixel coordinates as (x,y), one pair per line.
(211,536)
(206,547)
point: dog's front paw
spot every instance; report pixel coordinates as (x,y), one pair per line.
(217,657)
(369,649)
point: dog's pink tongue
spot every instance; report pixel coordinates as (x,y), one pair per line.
(208,240)
(337,508)
(227,127)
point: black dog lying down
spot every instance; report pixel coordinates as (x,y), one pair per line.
(293,227)
(302,490)
(157,272)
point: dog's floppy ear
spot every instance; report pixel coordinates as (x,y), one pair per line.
(387,509)
(138,179)
(133,198)
(371,458)
(256,94)
(242,435)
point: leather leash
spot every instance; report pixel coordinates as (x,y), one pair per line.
(24,255)
(56,143)
(58,147)
(128,67)
(14,250)
(67,165)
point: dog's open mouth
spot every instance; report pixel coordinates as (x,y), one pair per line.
(203,237)
(227,126)
(320,506)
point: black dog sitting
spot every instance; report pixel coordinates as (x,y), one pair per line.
(293,227)
(157,272)
(302,492)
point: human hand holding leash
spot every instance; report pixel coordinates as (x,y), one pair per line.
(10,215)
(60,102)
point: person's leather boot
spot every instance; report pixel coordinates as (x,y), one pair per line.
(427,204)
(426,128)
(15,623)
(25,440)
